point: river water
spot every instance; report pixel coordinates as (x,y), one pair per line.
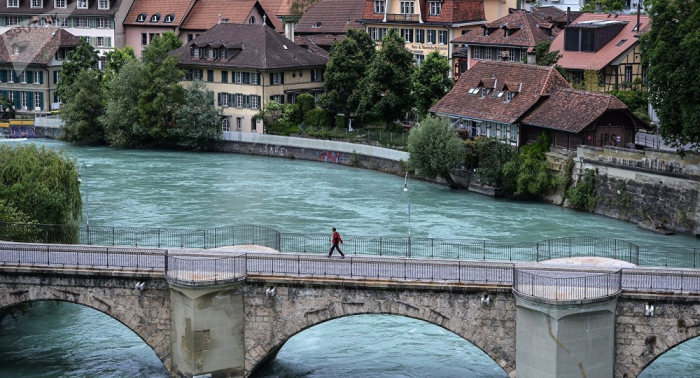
(205,190)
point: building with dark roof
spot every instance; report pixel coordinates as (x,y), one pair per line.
(326,22)
(207,13)
(510,38)
(517,102)
(607,44)
(425,25)
(30,64)
(99,21)
(247,66)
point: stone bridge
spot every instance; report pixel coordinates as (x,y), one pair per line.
(228,312)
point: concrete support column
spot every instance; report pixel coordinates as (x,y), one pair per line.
(562,340)
(207,331)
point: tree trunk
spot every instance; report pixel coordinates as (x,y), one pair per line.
(450,182)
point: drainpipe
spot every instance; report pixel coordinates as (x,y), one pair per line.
(48,82)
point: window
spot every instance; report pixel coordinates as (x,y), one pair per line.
(62,22)
(190,37)
(37,4)
(151,36)
(225,124)
(476,52)
(59,3)
(420,36)
(155,17)
(210,53)
(82,4)
(103,60)
(588,40)
(37,100)
(38,77)
(379,6)
(11,96)
(224,76)
(276,78)
(251,20)
(23,77)
(509,96)
(144,40)
(169,18)
(12,21)
(254,79)
(253,124)
(101,42)
(419,59)
(487,53)
(442,37)
(484,92)
(103,4)
(316,75)
(408,7)
(13,3)
(141,17)
(223,99)
(514,55)
(435,8)
(82,22)
(372,33)
(60,54)
(15,50)
(239,100)
(103,23)
(407,34)
(239,123)
(628,74)
(431,36)
(254,102)
(23,99)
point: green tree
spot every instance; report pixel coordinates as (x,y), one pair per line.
(84,57)
(115,60)
(40,183)
(607,6)
(16,226)
(198,119)
(81,115)
(671,49)
(121,120)
(435,148)
(431,81)
(349,60)
(161,95)
(388,86)
(493,156)
(7,108)
(544,57)
(300,6)
(527,175)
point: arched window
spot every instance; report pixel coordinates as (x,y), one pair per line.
(251,20)
(155,17)
(141,17)
(226,124)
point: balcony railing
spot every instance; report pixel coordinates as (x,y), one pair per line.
(402,17)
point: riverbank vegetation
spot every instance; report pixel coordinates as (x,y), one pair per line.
(135,103)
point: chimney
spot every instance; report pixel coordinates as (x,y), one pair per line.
(568,16)
(289,28)
(639,16)
(219,19)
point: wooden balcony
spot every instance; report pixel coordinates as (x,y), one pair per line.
(398,17)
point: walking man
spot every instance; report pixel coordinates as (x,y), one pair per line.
(335,240)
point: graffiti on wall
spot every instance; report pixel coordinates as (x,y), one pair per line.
(22,132)
(331,156)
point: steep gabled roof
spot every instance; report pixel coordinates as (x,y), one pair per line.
(36,45)
(276,9)
(71,8)
(257,47)
(178,8)
(524,30)
(205,13)
(612,50)
(572,110)
(331,17)
(533,84)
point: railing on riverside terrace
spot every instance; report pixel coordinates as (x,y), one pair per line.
(565,286)
(55,255)
(462,249)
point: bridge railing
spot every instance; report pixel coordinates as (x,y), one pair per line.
(588,246)
(55,255)
(663,281)
(195,271)
(566,285)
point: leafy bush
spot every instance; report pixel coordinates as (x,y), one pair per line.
(583,196)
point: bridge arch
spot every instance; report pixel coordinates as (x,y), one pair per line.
(145,314)
(272,320)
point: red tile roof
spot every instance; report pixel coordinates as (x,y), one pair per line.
(319,44)
(572,110)
(452,12)
(275,9)
(526,28)
(611,51)
(205,13)
(179,8)
(533,83)
(37,45)
(332,17)
(71,8)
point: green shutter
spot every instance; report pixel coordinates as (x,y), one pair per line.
(281,77)
(92,22)
(55,77)
(17,99)
(3,76)
(30,100)
(41,99)
(108,41)
(30,77)
(41,78)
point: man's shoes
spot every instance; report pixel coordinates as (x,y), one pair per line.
(342,257)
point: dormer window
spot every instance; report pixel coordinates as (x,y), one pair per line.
(155,17)
(210,53)
(408,7)
(37,3)
(316,25)
(197,53)
(103,4)
(169,18)
(13,3)
(16,50)
(435,8)
(59,3)
(474,90)
(509,96)
(251,20)
(82,4)
(141,17)
(484,92)
(379,6)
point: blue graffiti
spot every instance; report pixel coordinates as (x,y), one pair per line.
(22,132)
(330,156)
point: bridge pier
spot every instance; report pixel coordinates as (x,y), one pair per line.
(560,340)
(207,331)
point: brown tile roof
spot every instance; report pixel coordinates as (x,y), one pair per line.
(572,110)
(554,14)
(334,17)
(205,13)
(452,12)
(533,83)
(37,45)
(526,28)
(319,44)
(259,47)
(604,56)
(275,9)
(179,8)
(71,8)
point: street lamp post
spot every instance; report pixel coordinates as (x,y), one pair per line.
(87,201)
(405,189)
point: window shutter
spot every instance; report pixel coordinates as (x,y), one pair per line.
(55,77)
(281,99)
(30,100)
(17,76)
(3,76)
(17,99)
(247,102)
(108,41)
(218,96)
(41,79)
(41,100)
(210,75)
(3,94)
(271,75)
(93,22)
(259,78)
(30,77)
(231,98)
(281,77)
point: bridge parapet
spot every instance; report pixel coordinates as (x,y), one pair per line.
(567,287)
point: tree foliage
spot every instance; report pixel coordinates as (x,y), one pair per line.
(198,120)
(16,226)
(435,148)
(527,174)
(121,120)
(493,155)
(671,49)
(583,195)
(431,81)
(388,86)
(81,115)
(607,6)
(348,64)
(41,184)
(115,60)
(544,57)
(84,57)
